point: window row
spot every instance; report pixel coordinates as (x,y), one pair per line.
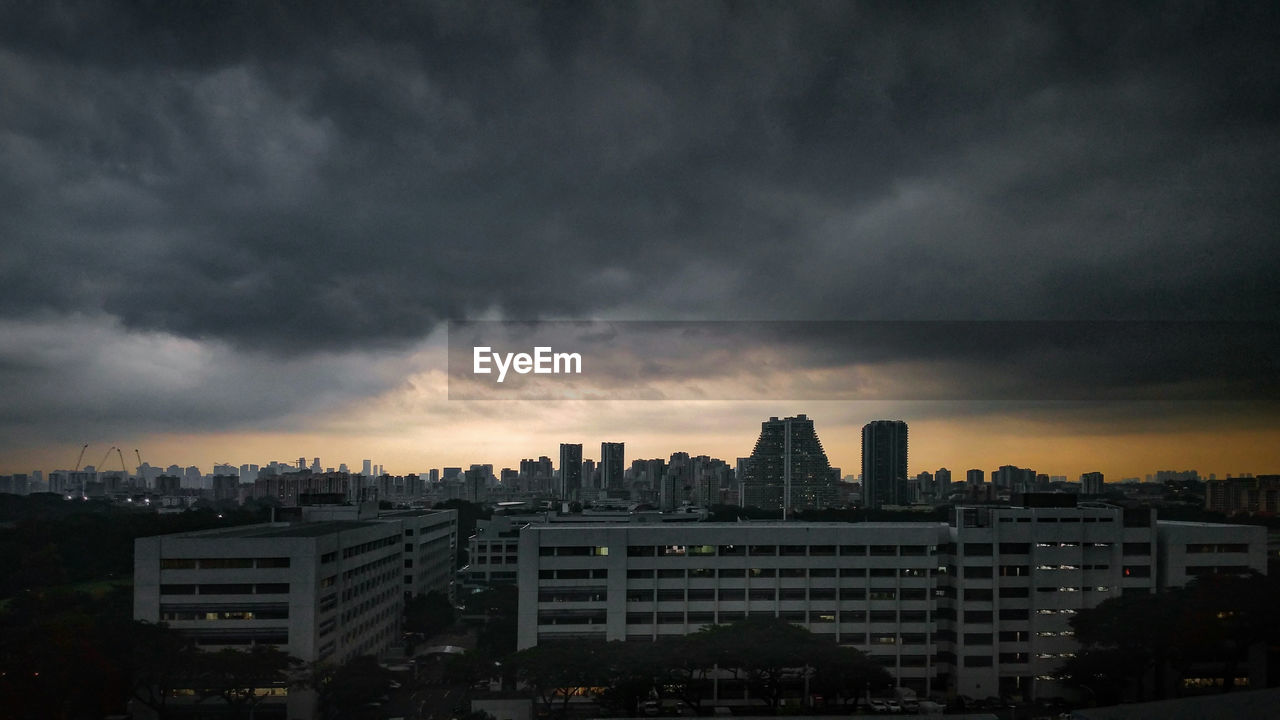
(225,589)
(708,617)
(786,572)
(371,546)
(778,550)
(222,563)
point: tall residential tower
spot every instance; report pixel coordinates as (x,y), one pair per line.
(884,463)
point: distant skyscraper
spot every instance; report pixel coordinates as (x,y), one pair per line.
(788,468)
(1014,478)
(612,464)
(975,477)
(942,483)
(884,463)
(1091,483)
(366,468)
(570,470)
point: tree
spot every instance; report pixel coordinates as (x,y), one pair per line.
(1222,616)
(428,614)
(344,689)
(771,654)
(1215,619)
(687,663)
(496,639)
(158,661)
(846,674)
(1131,635)
(628,670)
(238,676)
(559,670)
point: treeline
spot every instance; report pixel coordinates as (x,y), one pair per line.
(771,657)
(72,656)
(47,541)
(1135,646)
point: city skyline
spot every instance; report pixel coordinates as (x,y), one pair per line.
(240,233)
(851,468)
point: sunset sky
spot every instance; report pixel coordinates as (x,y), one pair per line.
(235,231)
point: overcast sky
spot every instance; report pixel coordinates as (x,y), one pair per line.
(233,231)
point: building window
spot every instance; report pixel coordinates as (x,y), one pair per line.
(225,563)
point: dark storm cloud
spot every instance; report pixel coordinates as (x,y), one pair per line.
(317,175)
(984,361)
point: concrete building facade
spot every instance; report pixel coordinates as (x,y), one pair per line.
(979,606)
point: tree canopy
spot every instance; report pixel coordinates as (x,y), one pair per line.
(775,658)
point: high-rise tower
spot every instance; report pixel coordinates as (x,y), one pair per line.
(570,470)
(788,468)
(612,458)
(884,463)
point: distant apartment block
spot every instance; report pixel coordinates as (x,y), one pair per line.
(16,484)
(1243,495)
(1091,483)
(288,488)
(979,606)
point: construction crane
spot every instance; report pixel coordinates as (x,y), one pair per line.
(141,480)
(123,467)
(80,457)
(105,455)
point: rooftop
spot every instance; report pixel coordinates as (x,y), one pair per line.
(282,530)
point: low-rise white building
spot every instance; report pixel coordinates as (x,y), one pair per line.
(979,606)
(323,591)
